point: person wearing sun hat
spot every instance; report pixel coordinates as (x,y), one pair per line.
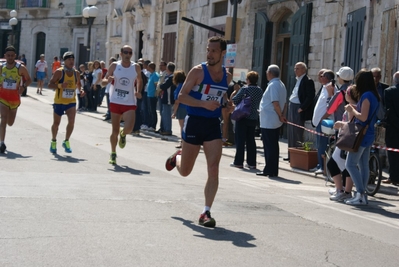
(337,103)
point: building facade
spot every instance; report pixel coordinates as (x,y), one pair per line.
(322,33)
(52,27)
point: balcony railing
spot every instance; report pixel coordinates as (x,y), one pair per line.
(8,4)
(35,4)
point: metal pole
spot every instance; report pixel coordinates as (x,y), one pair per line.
(234,22)
(90,22)
(13,35)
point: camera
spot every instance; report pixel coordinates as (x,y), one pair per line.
(240,83)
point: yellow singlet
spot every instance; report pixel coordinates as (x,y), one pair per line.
(66,96)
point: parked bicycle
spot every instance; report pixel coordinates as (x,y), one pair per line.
(375,164)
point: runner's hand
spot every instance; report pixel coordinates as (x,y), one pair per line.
(211,105)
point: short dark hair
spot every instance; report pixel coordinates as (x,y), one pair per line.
(179,76)
(329,74)
(152,66)
(252,77)
(141,65)
(11,48)
(220,40)
(171,66)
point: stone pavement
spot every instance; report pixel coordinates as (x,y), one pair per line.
(48,96)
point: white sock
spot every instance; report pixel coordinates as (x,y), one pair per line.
(206,208)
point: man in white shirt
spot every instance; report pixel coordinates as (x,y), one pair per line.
(40,73)
(320,113)
(300,107)
(272,115)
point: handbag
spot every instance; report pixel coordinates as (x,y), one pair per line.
(243,109)
(351,135)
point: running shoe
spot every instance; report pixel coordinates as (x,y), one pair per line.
(112,159)
(3,148)
(53,147)
(122,139)
(206,220)
(171,161)
(67,146)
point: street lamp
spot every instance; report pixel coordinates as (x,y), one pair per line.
(13,23)
(90,13)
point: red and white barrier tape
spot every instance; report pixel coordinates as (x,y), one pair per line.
(386,148)
(326,135)
(310,130)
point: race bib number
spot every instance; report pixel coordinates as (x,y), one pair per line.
(68,93)
(121,94)
(211,98)
(9,84)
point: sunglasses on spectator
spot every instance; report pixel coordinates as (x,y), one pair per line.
(127,52)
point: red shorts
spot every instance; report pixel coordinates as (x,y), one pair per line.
(120,109)
(10,98)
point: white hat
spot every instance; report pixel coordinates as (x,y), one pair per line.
(345,73)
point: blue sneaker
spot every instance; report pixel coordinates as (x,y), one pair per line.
(53,147)
(66,146)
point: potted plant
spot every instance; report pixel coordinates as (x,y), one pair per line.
(304,157)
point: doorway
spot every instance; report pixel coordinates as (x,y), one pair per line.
(283,49)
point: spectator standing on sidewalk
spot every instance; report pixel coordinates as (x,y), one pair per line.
(320,113)
(300,107)
(392,130)
(55,65)
(151,97)
(168,100)
(381,91)
(357,163)
(106,92)
(162,73)
(40,73)
(179,110)
(273,108)
(96,85)
(245,128)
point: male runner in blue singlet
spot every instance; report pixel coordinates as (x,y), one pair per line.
(204,93)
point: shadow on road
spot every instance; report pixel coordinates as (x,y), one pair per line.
(68,159)
(119,168)
(377,207)
(12,155)
(283,180)
(238,239)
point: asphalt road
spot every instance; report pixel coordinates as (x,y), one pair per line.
(77,210)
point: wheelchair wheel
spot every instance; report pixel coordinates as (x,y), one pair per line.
(375,177)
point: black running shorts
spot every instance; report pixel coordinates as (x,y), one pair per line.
(197,130)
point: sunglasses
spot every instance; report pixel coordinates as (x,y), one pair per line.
(127,52)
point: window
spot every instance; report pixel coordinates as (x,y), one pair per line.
(220,9)
(171,18)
